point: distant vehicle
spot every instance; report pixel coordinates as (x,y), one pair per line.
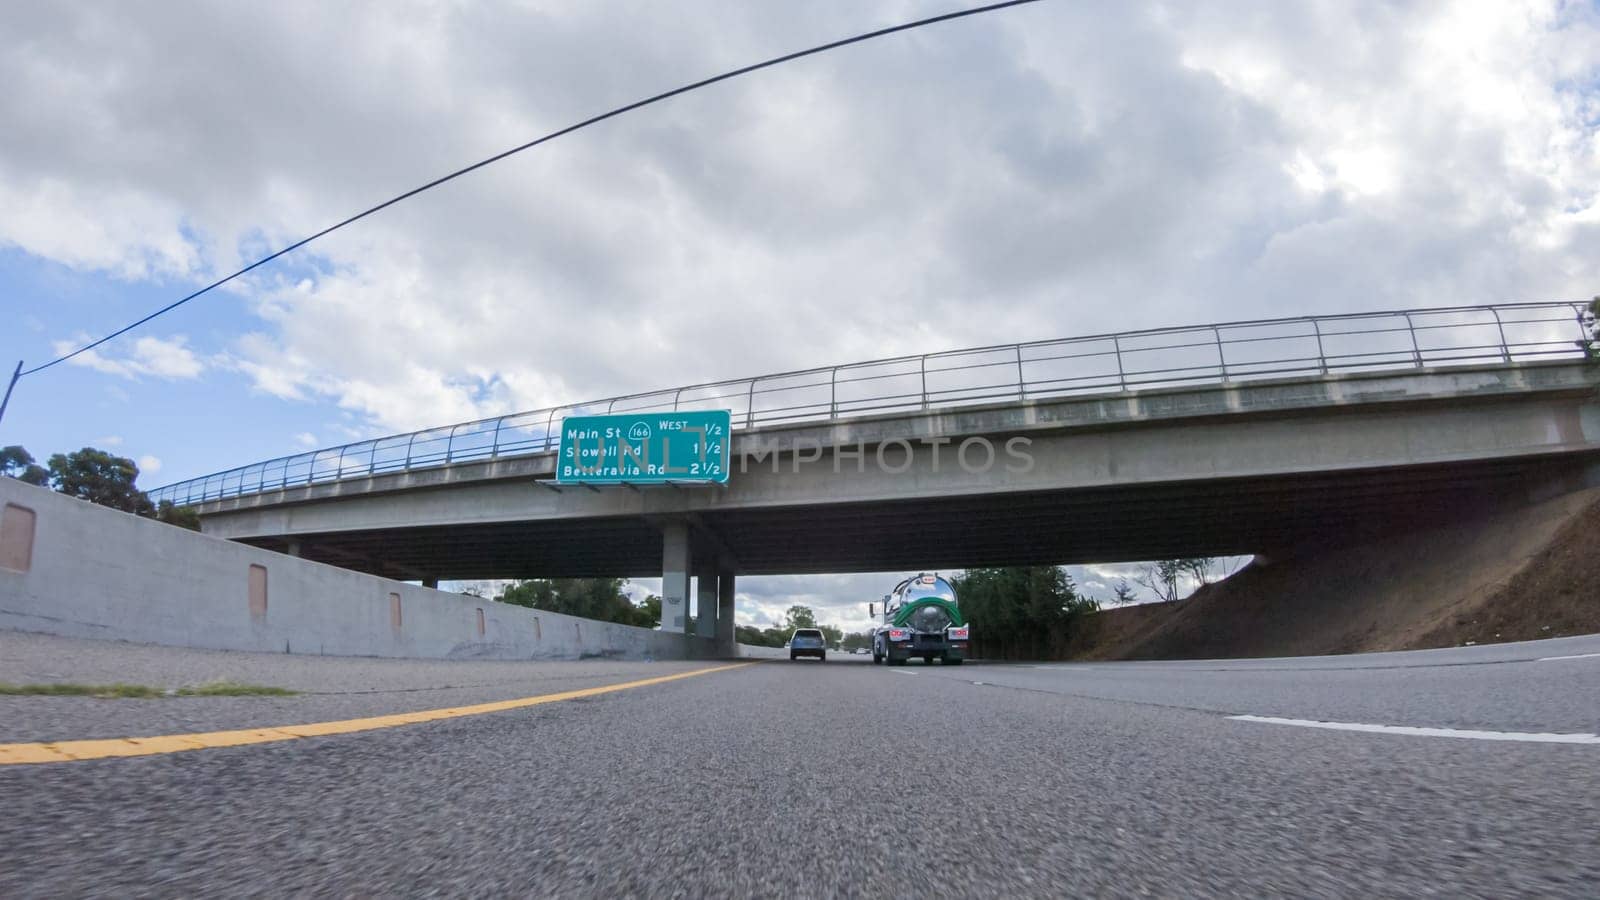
(808,642)
(859,651)
(920,618)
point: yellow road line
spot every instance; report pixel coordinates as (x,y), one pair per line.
(70,751)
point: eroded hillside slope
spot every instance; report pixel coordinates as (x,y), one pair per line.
(1528,573)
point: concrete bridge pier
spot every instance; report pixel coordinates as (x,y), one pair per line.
(713,615)
(726,645)
(675,560)
(713,588)
(705,602)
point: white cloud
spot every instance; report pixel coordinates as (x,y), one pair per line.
(110,440)
(166,359)
(60,220)
(306,439)
(149,465)
(996,179)
(149,356)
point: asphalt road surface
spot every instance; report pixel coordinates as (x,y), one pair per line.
(846,779)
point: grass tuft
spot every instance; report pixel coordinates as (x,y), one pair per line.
(80,690)
(234,689)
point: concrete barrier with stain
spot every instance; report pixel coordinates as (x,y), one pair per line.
(72,568)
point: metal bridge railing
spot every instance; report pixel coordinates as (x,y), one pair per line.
(1225,352)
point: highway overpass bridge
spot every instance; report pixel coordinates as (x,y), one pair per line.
(1249,437)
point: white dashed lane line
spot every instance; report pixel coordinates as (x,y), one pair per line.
(1574,656)
(1531,737)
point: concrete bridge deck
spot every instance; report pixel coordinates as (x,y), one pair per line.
(1233,468)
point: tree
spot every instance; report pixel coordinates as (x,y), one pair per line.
(1198,568)
(99,477)
(1591,326)
(1161,579)
(1124,593)
(799,617)
(15,462)
(181,516)
(589,598)
(856,639)
(96,476)
(647,614)
(757,637)
(1020,611)
(1165,577)
(534,593)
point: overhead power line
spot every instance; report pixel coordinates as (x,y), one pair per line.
(745,70)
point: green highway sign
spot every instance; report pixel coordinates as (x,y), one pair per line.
(645,448)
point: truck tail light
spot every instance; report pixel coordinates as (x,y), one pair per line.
(899,634)
(957,633)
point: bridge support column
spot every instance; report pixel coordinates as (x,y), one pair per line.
(705,603)
(726,647)
(674,576)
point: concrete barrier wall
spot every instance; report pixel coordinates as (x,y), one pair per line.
(750,651)
(72,568)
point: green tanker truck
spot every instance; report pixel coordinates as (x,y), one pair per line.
(920,617)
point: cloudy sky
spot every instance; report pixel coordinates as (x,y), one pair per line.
(1055,169)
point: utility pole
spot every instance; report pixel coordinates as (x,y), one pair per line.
(14,376)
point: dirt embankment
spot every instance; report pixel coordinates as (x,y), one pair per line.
(1528,573)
